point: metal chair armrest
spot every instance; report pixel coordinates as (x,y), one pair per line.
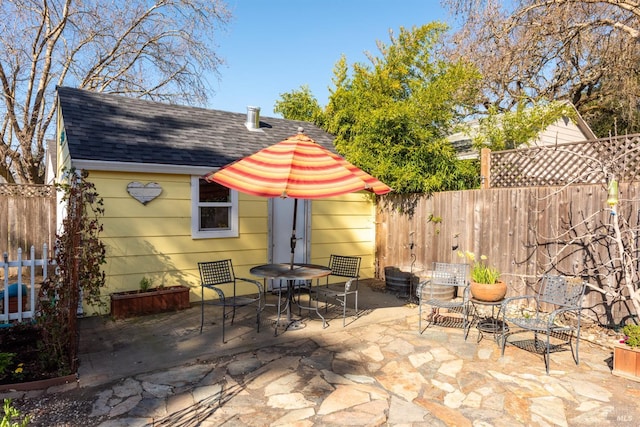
(562,310)
(261,297)
(508,301)
(466,293)
(420,287)
(255,282)
(219,291)
(347,285)
(326,290)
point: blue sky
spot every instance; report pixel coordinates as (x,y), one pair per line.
(276,46)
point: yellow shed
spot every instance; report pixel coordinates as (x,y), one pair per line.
(147,160)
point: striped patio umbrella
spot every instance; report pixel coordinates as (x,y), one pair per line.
(299,168)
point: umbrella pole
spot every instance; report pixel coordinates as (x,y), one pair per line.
(293,233)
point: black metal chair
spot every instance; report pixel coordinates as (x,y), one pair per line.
(554,311)
(448,288)
(220,277)
(341,266)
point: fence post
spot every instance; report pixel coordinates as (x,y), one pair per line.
(485,168)
(5,301)
(32,286)
(19,288)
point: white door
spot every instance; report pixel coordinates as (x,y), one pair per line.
(281,231)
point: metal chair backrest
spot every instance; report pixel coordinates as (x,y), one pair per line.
(216,272)
(449,274)
(559,291)
(344,266)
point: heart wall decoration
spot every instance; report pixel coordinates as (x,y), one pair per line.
(144,193)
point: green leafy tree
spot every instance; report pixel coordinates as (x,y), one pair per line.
(512,129)
(299,105)
(391,118)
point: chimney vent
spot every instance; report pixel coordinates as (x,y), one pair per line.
(253,118)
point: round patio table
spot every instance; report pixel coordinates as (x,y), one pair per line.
(290,273)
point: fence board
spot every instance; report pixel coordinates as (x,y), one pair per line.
(516,228)
(27,217)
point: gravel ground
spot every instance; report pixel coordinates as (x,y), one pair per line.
(69,409)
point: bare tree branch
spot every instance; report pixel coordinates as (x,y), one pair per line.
(585,51)
(163,50)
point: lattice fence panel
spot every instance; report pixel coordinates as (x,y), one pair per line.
(587,162)
(27,190)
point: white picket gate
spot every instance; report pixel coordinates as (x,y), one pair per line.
(15,291)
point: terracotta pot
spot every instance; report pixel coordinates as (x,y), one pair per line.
(626,361)
(488,292)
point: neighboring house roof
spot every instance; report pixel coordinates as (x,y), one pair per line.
(112,132)
(563,130)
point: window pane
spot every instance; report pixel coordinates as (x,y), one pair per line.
(214,218)
(214,192)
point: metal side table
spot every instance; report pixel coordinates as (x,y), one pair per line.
(488,324)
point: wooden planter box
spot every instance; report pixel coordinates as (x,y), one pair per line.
(157,300)
(626,361)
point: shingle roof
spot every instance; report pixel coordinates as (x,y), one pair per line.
(112,128)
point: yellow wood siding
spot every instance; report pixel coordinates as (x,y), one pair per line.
(344,225)
(154,240)
(62,152)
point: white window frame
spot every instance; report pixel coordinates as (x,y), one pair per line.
(196,232)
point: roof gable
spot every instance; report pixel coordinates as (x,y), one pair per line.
(561,131)
(110,128)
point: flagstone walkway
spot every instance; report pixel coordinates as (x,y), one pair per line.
(378,371)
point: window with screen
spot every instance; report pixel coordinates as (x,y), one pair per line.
(215,210)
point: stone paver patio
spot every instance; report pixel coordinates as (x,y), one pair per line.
(377,371)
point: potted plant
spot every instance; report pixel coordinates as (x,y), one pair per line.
(149,300)
(485,279)
(626,353)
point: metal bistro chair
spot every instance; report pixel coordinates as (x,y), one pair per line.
(560,297)
(448,288)
(341,266)
(220,277)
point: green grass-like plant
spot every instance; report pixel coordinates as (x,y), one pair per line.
(11,416)
(481,271)
(145,284)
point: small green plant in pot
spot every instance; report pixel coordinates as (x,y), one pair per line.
(631,336)
(485,279)
(626,354)
(146,284)
(481,271)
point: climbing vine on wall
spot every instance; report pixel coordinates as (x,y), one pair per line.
(79,254)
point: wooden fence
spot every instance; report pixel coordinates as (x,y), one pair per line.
(523,231)
(21,293)
(27,217)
